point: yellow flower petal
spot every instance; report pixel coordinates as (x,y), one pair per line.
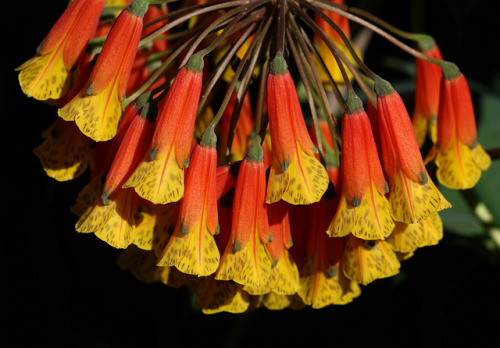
(214,296)
(160,181)
(370,220)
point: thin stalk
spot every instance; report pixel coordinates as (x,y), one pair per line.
(379,31)
(307,87)
(331,46)
(280,45)
(190,15)
(319,85)
(158,73)
(254,50)
(262,91)
(221,67)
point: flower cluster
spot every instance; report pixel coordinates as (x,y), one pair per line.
(204,168)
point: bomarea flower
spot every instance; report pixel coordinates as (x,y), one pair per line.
(296,175)
(48,74)
(363,209)
(412,194)
(97,109)
(289,206)
(458,155)
(425,111)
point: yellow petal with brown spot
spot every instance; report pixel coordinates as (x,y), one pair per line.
(160,181)
(250,266)
(482,159)
(44,77)
(317,288)
(118,231)
(459,165)
(193,253)
(214,296)
(284,276)
(88,196)
(365,261)
(370,220)
(141,263)
(95,217)
(97,115)
(412,201)
(152,226)
(433,230)
(64,157)
(307,179)
(420,126)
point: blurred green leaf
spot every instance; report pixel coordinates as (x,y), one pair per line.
(463,223)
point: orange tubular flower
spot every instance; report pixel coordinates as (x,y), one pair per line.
(191,247)
(246,259)
(160,176)
(113,220)
(98,108)
(458,155)
(322,281)
(296,175)
(363,209)
(47,75)
(413,195)
(425,112)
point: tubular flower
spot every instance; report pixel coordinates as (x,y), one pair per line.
(363,209)
(97,110)
(112,218)
(413,195)
(48,74)
(322,281)
(160,176)
(458,155)
(424,118)
(191,247)
(296,175)
(246,259)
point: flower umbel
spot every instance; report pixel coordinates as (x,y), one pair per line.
(217,156)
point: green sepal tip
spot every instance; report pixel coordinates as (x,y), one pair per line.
(353,104)
(138,7)
(382,87)
(255,152)
(278,65)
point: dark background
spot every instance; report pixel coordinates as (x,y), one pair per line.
(65,289)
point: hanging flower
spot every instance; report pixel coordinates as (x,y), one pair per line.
(48,74)
(413,195)
(363,209)
(246,259)
(97,109)
(160,176)
(296,175)
(459,156)
(191,247)
(425,112)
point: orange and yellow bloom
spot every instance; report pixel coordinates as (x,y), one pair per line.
(48,74)
(412,194)
(296,175)
(458,155)
(97,109)
(363,209)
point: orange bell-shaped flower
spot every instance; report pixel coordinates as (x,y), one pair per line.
(296,175)
(97,109)
(160,176)
(48,74)
(192,247)
(246,259)
(363,209)
(458,155)
(424,118)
